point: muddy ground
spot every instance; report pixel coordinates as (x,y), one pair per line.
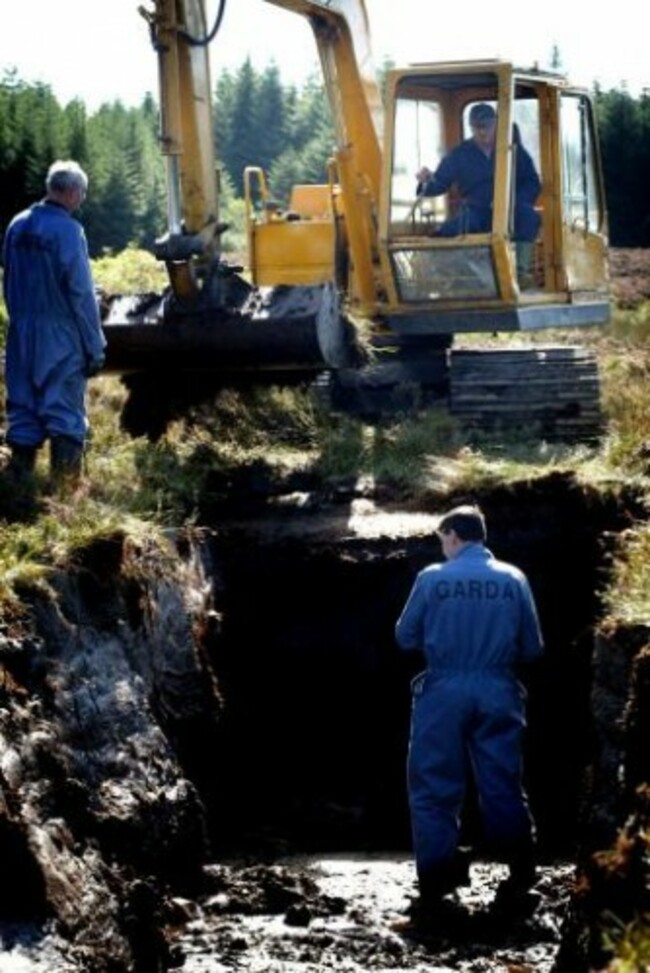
(340,912)
(344,912)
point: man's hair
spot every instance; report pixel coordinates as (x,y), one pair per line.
(482,114)
(467,522)
(64,174)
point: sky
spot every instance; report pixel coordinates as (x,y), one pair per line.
(99,50)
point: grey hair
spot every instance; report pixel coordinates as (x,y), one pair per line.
(63,175)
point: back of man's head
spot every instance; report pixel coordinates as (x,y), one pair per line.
(63,175)
(466,521)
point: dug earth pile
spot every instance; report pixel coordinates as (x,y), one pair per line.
(235,694)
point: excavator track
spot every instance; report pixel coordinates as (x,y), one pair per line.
(552,391)
(545,392)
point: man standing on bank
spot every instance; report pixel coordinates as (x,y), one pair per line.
(55,340)
(475,620)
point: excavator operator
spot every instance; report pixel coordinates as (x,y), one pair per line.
(470,167)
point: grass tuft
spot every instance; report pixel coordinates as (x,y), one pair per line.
(131,271)
(627,598)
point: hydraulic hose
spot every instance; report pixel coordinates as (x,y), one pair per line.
(208,38)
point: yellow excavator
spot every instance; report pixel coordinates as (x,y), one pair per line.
(365,246)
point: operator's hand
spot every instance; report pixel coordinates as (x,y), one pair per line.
(422,175)
(94,366)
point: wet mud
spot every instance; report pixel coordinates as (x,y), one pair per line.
(347,913)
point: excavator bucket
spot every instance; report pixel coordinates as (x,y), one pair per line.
(270,329)
(174,355)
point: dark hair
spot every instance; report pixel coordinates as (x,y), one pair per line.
(467,522)
(482,114)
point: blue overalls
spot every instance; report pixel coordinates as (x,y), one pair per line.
(472,171)
(474,618)
(54,325)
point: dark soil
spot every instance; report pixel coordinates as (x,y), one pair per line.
(345,913)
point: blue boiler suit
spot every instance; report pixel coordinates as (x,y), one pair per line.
(55,332)
(472,171)
(475,619)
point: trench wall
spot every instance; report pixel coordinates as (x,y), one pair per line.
(314,729)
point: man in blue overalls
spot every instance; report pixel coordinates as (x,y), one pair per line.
(55,340)
(475,619)
(470,167)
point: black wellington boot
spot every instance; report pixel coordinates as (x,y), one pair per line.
(66,456)
(22,461)
(515,891)
(436,911)
(18,484)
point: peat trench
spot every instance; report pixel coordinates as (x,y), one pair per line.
(202,748)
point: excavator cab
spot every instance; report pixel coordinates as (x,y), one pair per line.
(499,276)
(415,262)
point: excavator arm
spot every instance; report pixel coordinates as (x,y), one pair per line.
(342,34)
(180,37)
(211,320)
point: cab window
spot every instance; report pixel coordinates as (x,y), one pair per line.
(579,170)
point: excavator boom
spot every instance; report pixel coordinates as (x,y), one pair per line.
(179,35)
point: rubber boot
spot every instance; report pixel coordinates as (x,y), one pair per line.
(525,252)
(23,460)
(515,889)
(523,873)
(435,910)
(445,877)
(18,484)
(66,456)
